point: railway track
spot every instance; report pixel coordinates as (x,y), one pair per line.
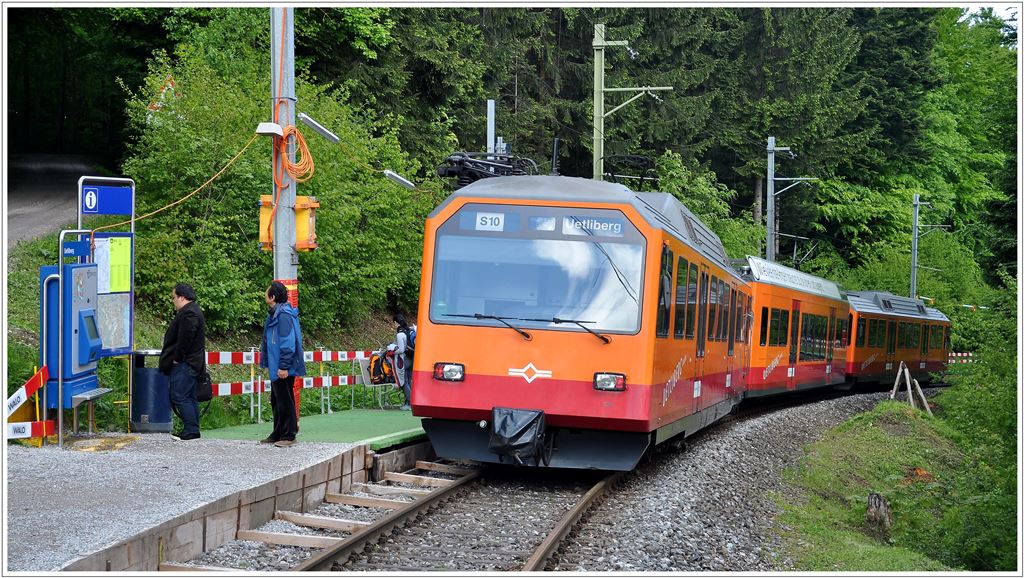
(437,516)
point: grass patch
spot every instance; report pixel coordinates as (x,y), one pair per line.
(895,451)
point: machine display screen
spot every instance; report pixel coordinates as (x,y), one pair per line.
(90,327)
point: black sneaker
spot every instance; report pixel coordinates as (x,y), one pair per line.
(185,437)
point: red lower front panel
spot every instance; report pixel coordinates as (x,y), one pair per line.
(572,404)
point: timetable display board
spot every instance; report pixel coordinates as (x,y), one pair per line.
(114,257)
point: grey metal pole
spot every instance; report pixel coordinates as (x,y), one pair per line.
(490,126)
(913,249)
(598,102)
(770,240)
(282,92)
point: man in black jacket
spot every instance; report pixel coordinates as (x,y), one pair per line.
(183,357)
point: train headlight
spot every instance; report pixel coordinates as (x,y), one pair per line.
(610,381)
(449,371)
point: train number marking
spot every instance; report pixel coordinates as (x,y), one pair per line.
(490,221)
(529,373)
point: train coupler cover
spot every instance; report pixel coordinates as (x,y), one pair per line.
(517,434)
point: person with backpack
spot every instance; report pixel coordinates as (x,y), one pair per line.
(405,339)
(281,353)
(183,358)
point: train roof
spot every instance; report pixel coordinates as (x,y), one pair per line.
(661,210)
(763,271)
(885,303)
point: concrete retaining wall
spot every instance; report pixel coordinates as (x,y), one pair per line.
(208,527)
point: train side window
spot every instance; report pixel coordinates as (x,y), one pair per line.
(732,320)
(664,292)
(945,342)
(764,326)
(861,328)
(691,301)
(924,339)
(724,311)
(737,317)
(936,338)
(713,310)
(681,291)
(702,313)
(783,327)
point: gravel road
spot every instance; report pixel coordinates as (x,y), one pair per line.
(63,504)
(42,192)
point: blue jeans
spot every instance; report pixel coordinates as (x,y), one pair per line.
(183,396)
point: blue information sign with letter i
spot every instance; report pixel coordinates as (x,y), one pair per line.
(106,200)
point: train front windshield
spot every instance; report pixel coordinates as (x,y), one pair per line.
(533,265)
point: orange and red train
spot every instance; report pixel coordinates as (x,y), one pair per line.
(573,323)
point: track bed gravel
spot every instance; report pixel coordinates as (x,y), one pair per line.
(708,508)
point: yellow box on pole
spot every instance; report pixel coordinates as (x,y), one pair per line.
(305,223)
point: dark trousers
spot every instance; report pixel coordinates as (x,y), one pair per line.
(282,401)
(183,381)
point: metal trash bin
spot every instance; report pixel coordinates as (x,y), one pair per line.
(151,396)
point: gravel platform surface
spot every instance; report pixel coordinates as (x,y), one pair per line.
(64,504)
(706,509)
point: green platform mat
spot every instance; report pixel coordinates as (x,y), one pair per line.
(379,428)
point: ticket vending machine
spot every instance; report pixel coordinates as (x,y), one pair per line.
(81,337)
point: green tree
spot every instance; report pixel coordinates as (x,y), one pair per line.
(369,230)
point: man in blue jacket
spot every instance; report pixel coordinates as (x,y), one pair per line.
(281,353)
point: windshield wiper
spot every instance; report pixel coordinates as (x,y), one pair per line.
(525,335)
(558,321)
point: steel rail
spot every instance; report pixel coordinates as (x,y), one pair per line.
(550,544)
(323,561)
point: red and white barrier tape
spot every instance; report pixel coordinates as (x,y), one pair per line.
(253,357)
(242,387)
(962,357)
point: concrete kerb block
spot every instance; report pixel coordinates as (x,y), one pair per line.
(185,542)
(358,458)
(290,501)
(314,496)
(346,468)
(317,474)
(256,514)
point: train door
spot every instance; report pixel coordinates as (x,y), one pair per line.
(890,347)
(924,346)
(730,360)
(702,322)
(831,343)
(794,344)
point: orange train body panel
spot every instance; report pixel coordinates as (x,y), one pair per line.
(524,280)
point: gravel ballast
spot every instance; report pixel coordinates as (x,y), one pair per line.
(64,504)
(708,508)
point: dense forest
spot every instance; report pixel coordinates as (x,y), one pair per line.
(878,104)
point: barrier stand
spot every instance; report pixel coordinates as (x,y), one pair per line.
(252,378)
(320,348)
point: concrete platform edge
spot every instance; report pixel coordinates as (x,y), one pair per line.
(209,526)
